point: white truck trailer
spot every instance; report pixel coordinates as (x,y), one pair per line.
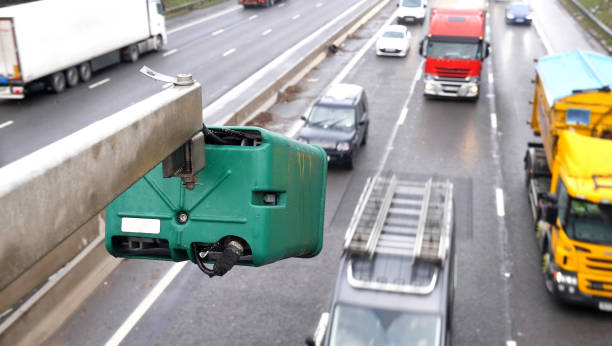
(58,43)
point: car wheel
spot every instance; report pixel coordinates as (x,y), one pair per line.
(57,82)
(85,72)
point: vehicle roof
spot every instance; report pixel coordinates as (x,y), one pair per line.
(396,27)
(394,269)
(443,23)
(583,157)
(341,94)
(563,74)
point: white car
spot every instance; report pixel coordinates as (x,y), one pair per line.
(411,11)
(394,41)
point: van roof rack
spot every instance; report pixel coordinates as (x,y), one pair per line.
(407,219)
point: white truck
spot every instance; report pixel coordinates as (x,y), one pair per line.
(58,43)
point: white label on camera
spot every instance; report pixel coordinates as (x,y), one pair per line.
(136,225)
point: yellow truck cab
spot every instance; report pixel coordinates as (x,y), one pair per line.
(569,176)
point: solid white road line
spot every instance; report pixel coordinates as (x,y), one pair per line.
(205,19)
(6,123)
(345,71)
(142,308)
(266,32)
(499,196)
(493,120)
(319,4)
(97,84)
(170,52)
(296,16)
(218,32)
(253,17)
(545,41)
(231,51)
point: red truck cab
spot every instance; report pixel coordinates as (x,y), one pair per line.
(454,50)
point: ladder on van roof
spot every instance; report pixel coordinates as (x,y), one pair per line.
(406,218)
(403,218)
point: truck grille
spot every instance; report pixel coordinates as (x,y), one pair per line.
(600,286)
(452,72)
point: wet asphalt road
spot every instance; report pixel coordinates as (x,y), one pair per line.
(219,52)
(500,293)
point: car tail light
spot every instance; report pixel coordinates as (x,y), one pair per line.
(18,90)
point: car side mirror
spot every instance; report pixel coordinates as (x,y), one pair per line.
(487,49)
(396,5)
(550,210)
(421,44)
(319,334)
(309,341)
(303,117)
(362,122)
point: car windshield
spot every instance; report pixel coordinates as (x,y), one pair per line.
(337,117)
(589,222)
(355,325)
(519,8)
(393,34)
(411,3)
(454,50)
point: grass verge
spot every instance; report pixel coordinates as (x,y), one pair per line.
(173,3)
(602,37)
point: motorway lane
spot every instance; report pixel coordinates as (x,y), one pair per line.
(44,118)
(281,303)
(538,319)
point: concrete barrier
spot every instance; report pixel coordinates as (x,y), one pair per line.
(48,195)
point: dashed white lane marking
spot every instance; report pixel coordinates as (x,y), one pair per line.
(402,117)
(170,52)
(319,4)
(281,5)
(6,123)
(231,51)
(253,17)
(218,32)
(205,19)
(499,196)
(266,32)
(97,84)
(493,120)
(296,16)
(417,77)
(142,308)
(490,77)
(511,343)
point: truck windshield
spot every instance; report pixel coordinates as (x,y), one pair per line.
(337,117)
(589,222)
(411,3)
(355,325)
(454,50)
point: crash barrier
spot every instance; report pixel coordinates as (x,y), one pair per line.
(595,20)
(48,195)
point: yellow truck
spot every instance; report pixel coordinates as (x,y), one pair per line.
(569,176)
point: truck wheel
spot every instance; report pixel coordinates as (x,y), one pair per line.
(85,72)
(158,43)
(72,77)
(57,82)
(548,275)
(130,54)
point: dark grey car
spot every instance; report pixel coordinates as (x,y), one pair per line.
(338,122)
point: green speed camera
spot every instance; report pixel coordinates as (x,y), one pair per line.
(259,199)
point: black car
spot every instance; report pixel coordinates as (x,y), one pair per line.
(338,122)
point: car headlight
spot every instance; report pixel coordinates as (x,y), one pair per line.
(474,89)
(510,16)
(343,146)
(566,278)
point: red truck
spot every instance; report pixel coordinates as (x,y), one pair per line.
(454,50)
